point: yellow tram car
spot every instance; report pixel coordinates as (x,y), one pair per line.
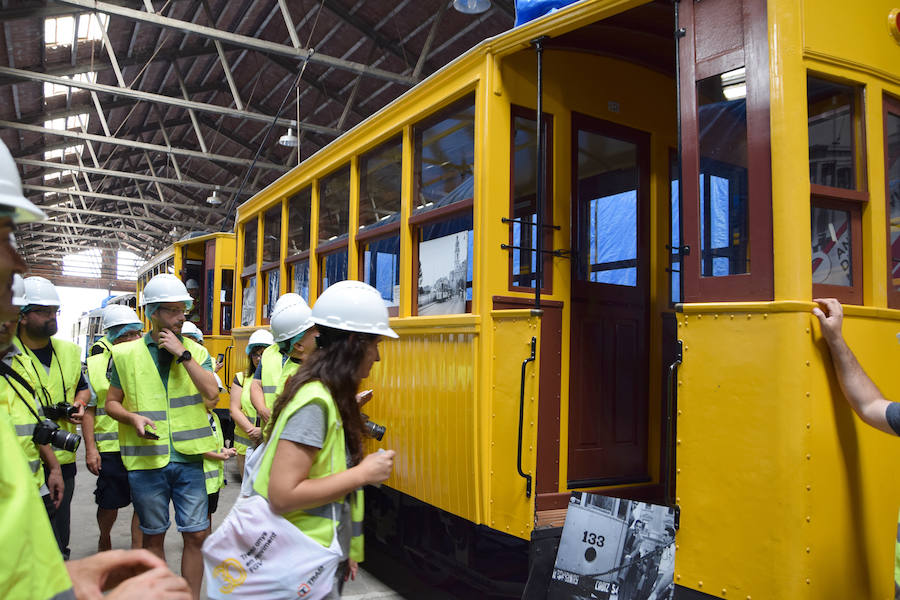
(208,259)
(501,400)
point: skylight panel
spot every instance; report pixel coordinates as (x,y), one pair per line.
(60,31)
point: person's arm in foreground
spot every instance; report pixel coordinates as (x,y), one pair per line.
(54,476)
(258,399)
(135,575)
(861,392)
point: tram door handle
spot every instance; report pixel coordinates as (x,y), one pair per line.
(228,366)
(526,476)
(671,403)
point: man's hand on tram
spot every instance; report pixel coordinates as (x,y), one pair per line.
(831,316)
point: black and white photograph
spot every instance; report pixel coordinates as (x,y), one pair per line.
(614,549)
(442,275)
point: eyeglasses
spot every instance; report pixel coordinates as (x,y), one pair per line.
(171,310)
(46,311)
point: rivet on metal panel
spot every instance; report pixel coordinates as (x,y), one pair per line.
(678,471)
(731,317)
(699,584)
(809,488)
(677,500)
(807,394)
(807,363)
(808,518)
(724,591)
(678,577)
(678,442)
(808,549)
(808,456)
(748,317)
(699,317)
(765,315)
(808,425)
(807,581)
(679,411)
(807,330)
(715,316)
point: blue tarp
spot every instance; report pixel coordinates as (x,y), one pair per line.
(529,10)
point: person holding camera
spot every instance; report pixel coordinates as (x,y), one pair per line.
(57,367)
(159,390)
(101,432)
(315,435)
(35,570)
(293,336)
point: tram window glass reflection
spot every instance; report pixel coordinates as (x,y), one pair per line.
(208,302)
(300,278)
(380,182)
(381,268)
(892,193)
(445,158)
(248,305)
(334,268)
(444,279)
(226,298)
(273,282)
(250,244)
(675,261)
(724,208)
(334,206)
(607,192)
(832,247)
(523,239)
(298,221)
(272,234)
(833,134)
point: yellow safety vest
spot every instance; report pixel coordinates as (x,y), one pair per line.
(177,410)
(274,373)
(317,522)
(61,382)
(242,439)
(34,567)
(213,469)
(13,398)
(106,429)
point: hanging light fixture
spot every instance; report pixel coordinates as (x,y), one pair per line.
(289,139)
(214,199)
(471,7)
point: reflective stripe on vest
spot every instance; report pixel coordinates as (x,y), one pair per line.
(317,522)
(35,568)
(106,429)
(174,416)
(213,469)
(21,418)
(61,382)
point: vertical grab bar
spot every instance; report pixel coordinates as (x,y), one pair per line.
(521,417)
(671,403)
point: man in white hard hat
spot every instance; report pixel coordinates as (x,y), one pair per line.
(294,334)
(37,571)
(101,432)
(159,390)
(193,313)
(56,366)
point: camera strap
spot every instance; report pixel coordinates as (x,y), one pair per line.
(7,372)
(45,400)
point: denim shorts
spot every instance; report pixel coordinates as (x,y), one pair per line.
(182,483)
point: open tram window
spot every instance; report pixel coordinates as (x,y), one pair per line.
(444,272)
(299,206)
(837,176)
(892,195)
(724,184)
(523,238)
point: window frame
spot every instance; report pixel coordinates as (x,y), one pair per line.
(547,267)
(890,104)
(852,294)
(444,213)
(365,238)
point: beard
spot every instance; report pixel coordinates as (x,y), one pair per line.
(46,330)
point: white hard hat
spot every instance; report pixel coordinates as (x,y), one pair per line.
(119,314)
(353,306)
(290,320)
(191,330)
(11,198)
(260,337)
(165,288)
(18,290)
(192,284)
(287,300)
(40,292)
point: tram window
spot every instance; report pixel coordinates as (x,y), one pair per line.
(835,250)
(834,160)
(381,269)
(675,261)
(208,302)
(334,268)
(380,183)
(334,206)
(298,221)
(272,291)
(724,208)
(523,262)
(300,278)
(892,193)
(445,256)
(226,298)
(272,234)
(250,244)
(607,189)
(445,158)
(248,306)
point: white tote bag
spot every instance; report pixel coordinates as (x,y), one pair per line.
(257,554)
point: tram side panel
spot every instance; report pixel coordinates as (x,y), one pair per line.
(783,492)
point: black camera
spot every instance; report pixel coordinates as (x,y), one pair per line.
(373,429)
(60,410)
(48,432)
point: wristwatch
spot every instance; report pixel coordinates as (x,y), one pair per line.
(185,356)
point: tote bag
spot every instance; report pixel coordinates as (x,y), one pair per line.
(257,554)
